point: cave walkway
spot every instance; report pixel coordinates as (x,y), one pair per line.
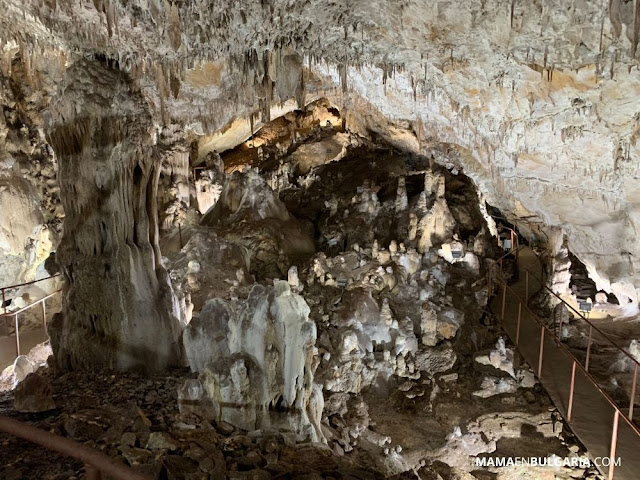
(603,428)
(21,342)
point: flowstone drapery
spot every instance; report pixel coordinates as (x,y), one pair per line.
(119,310)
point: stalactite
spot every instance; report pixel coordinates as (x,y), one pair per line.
(613,63)
(635,28)
(342,71)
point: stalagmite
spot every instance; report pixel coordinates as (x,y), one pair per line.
(401,195)
(428,325)
(294,281)
(215,182)
(413,226)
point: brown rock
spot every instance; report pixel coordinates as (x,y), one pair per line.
(135,456)
(161,441)
(34,394)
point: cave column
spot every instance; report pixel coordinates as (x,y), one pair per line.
(118,311)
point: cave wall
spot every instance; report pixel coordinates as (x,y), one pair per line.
(539,99)
(119,311)
(30,208)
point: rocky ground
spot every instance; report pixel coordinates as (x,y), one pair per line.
(337,326)
(136,418)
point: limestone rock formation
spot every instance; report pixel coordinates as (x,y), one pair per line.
(248,213)
(257,361)
(34,394)
(293,199)
(119,311)
(29,193)
(541,91)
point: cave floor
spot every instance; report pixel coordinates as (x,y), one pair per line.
(28,340)
(136,419)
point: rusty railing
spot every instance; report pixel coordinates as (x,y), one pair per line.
(604,335)
(597,420)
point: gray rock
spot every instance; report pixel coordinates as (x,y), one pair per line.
(34,394)
(135,456)
(436,360)
(128,439)
(161,441)
(205,337)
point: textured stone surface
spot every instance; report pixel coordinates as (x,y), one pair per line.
(335,353)
(34,394)
(536,102)
(257,362)
(120,311)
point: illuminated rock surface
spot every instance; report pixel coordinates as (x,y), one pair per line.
(291,199)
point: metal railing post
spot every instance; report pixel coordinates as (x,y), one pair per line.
(571,389)
(614,442)
(633,392)
(504,300)
(518,327)
(512,242)
(17,336)
(586,363)
(559,328)
(541,352)
(6,316)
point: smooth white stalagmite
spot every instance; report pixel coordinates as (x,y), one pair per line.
(437,224)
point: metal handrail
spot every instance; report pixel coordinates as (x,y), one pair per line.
(510,252)
(591,325)
(565,349)
(31,282)
(499,263)
(576,363)
(95,462)
(27,307)
(15,312)
(515,221)
(11,287)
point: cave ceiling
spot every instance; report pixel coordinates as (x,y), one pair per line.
(536,101)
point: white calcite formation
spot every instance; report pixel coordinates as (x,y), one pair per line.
(360,143)
(256,361)
(120,310)
(537,103)
(501,358)
(208,182)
